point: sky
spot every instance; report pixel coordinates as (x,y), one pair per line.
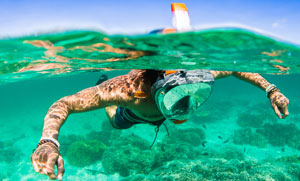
(280,19)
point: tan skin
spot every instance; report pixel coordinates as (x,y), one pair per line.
(121,91)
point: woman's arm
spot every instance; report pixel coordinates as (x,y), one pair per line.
(252,78)
(47,155)
(278,100)
(85,100)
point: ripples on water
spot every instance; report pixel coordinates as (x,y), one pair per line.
(83,51)
(243,138)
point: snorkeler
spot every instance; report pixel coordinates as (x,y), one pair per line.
(139,97)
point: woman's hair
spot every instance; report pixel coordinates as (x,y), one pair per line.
(152,75)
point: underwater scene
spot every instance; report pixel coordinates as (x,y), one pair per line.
(235,135)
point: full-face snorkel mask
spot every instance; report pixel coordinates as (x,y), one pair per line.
(180,94)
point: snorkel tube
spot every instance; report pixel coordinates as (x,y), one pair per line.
(180,20)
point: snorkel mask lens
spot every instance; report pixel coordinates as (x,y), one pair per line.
(181,101)
(181,106)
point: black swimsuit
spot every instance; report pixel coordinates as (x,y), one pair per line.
(125,118)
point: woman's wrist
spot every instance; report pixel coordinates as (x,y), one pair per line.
(272,91)
(44,140)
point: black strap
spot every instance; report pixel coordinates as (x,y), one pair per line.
(157,130)
(166,128)
(133,118)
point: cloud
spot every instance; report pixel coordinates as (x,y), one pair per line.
(279,23)
(275,25)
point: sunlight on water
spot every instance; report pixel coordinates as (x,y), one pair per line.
(234,136)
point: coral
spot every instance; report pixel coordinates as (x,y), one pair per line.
(131,155)
(289,159)
(195,170)
(193,136)
(128,155)
(179,145)
(221,169)
(10,154)
(85,152)
(218,169)
(168,151)
(130,140)
(275,134)
(247,119)
(281,134)
(106,135)
(66,140)
(3,176)
(247,136)
(177,170)
(176,158)
(294,170)
(229,153)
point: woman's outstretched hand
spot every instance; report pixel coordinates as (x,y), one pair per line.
(44,159)
(280,104)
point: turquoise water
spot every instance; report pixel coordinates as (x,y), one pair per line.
(83,51)
(235,135)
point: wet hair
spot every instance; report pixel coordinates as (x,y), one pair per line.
(152,75)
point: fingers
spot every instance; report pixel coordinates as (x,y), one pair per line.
(276,110)
(285,111)
(60,167)
(49,168)
(37,165)
(34,164)
(52,176)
